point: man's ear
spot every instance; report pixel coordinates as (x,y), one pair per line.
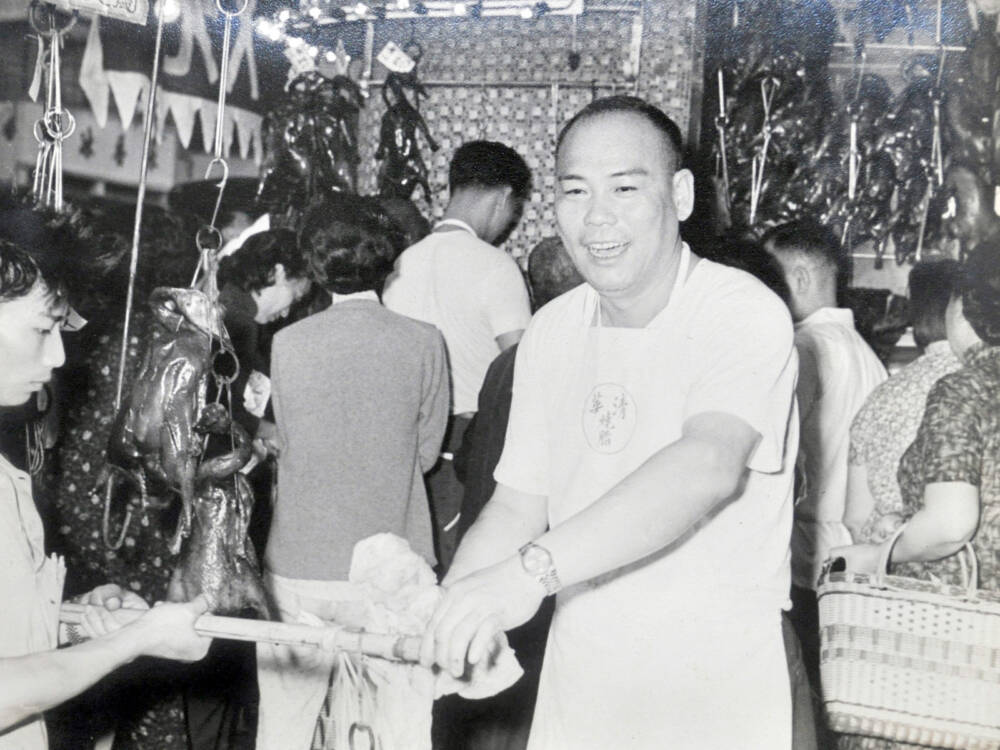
(504,198)
(683,193)
(801,279)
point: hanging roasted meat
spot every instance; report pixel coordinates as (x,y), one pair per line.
(402,167)
(311,142)
(218,559)
(153,440)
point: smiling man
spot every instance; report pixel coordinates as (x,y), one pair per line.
(646,479)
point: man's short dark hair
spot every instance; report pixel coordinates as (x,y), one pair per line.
(252,266)
(488,164)
(636,106)
(350,244)
(807,239)
(58,250)
(748,255)
(932,284)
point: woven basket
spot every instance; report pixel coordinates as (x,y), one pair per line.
(910,660)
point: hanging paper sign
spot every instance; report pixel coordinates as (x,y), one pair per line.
(133,11)
(395,59)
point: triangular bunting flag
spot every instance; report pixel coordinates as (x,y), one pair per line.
(93,79)
(207,113)
(126,88)
(183,108)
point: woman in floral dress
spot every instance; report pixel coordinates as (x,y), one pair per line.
(949,477)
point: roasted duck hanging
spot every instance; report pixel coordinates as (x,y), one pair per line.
(153,440)
(218,558)
(311,141)
(402,167)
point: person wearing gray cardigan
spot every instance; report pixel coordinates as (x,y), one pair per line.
(361,401)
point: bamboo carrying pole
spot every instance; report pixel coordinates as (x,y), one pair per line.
(330,637)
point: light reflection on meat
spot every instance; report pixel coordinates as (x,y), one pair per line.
(153,439)
(218,559)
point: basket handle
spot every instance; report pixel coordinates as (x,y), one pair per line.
(970,570)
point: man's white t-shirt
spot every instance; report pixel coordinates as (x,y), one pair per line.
(839,367)
(472,291)
(662,652)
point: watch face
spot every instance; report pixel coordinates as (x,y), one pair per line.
(536,560)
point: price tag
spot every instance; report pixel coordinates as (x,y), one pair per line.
(133,11)
(395,59)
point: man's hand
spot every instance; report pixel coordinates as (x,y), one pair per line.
(860,558)
(105,614)
(167,631)
(474,609)
(265,442)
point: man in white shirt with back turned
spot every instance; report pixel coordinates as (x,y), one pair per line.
(458,280)
(837,371)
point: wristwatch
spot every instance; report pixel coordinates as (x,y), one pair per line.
(537,562)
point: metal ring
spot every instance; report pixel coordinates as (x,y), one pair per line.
(52,116)
(36,8)
(40,132)
(220,378)
(242,7)
(202,241)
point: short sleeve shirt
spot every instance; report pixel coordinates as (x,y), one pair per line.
(472,291)
(724,345)
(30,589)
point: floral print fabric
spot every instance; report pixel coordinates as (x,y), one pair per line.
(884,428)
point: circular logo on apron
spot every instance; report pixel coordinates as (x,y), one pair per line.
(609,417)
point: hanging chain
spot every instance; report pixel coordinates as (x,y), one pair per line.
(56,123)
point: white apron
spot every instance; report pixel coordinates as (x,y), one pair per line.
(644,657)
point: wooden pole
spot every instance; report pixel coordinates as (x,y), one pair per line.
(404,648)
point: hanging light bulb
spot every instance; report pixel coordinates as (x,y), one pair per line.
(315,12)
(360,9)
(171,10)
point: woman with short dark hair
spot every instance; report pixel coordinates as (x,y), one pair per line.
(360,397)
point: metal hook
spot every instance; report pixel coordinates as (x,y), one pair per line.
(221,185)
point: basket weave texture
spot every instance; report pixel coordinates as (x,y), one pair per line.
(910,660)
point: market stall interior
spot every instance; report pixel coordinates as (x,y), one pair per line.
(168,130)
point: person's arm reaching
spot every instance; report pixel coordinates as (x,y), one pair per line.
(650,508)
(34,683)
